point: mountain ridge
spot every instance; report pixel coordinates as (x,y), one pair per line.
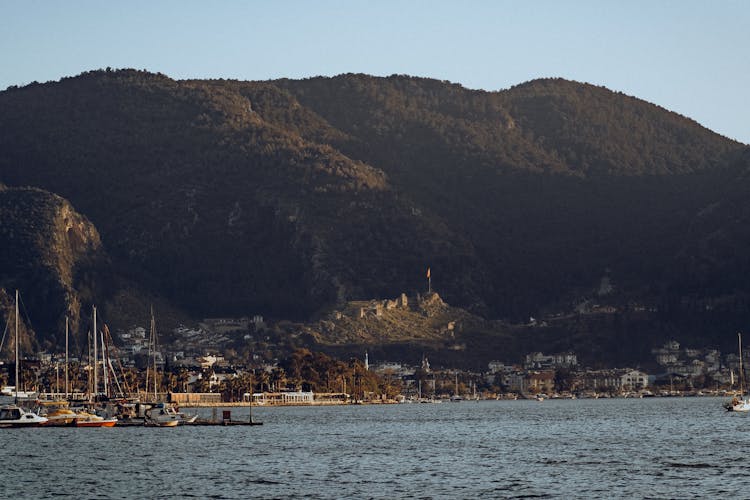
(285,197)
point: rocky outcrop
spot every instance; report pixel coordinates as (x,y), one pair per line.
(52,254)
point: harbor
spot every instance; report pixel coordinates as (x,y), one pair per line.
(578,447)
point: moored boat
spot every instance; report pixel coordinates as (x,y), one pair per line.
(57,412)
(15,416)
(86,419)
(739,403)
(161,423)
(61,416)
(166,415)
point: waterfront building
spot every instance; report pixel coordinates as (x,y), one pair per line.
(541,381)
(282,398)
(633,380)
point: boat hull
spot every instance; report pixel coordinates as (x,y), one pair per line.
(107,422)
(14,416)
(18,425)
(739,406)
(165,423)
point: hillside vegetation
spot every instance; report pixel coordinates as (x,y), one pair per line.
(289,197)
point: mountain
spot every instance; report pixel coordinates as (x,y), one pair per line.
(554,182)
(286,197)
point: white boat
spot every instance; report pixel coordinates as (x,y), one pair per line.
(13,415)
(161,413)
(739,403)
(456,398)
(165,415)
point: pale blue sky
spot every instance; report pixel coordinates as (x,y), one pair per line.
(691,57)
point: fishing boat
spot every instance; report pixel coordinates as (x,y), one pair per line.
(739,403)
(13,415)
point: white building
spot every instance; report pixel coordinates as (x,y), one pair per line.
(633,380)
(538,360)
(282,398)
(499,367)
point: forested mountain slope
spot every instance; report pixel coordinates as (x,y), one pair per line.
(283,197)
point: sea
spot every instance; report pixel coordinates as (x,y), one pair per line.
(586,448)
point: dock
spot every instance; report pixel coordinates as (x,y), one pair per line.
(225,420)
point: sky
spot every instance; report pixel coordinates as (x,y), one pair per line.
(691,57)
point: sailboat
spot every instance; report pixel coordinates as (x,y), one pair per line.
(90,418)
(456,398)
(13,415)
(161,413)
(741,403)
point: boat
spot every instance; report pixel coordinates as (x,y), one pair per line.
(160,413)
(166,415)
(61,416)
(13,415)
(57,413)
(165,423)
(739,403)
(456,398)
(86,419)
(188,419)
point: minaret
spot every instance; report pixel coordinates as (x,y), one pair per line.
(367,362)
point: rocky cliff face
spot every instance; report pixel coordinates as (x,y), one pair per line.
(53,255)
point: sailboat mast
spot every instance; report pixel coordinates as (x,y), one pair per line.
(105,375)
(96,380)
(17,379)
(153,336)
(742,372)
(66,357)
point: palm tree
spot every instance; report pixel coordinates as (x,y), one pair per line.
(262,378)
(278,377)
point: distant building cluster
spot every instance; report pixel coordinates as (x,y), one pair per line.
(686,363)
(202,349)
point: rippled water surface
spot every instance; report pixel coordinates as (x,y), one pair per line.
(645,448)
